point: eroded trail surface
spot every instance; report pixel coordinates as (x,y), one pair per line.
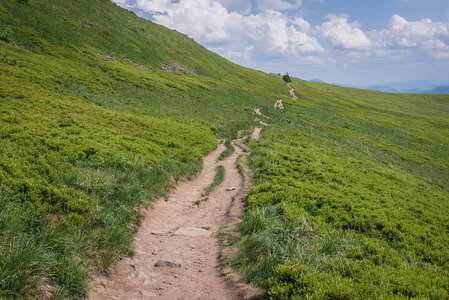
(292,92)
(177,246)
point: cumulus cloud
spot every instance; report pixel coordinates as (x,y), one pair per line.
(303,24)
(273,35)
(432,37)
(277,37)
(215,23)
(204,20)
(341,34)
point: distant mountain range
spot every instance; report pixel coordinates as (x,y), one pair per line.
(414,86)
(443,89)
(317,80)
(439,90)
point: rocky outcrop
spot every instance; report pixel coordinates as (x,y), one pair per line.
(138,65)
(177,68)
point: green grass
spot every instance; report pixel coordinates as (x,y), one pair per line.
(351,187)
(228,151)
(219,177)
(86,141)
(239,164)
(369,175)
(268,239)
(41,254)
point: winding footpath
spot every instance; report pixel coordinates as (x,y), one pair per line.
(177,246)
(292,92)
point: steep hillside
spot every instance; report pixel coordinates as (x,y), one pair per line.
(101,111)
(93,49)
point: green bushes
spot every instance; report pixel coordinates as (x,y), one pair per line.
(295,281)
(6,58)
(357,278)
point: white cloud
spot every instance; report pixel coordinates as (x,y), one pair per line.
(278,38)
(341,34)
(204,20)
(424,35)
(266,34)
(270,35)
(243,55)
(303,24)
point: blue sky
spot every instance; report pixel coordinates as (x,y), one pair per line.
(358,42)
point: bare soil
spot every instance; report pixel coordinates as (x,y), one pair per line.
(292,92)
(178,248)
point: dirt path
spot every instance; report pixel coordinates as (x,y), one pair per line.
(177,246)
(256,132)
(292,92)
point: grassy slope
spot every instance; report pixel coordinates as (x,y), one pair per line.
(64,27)
(359,178)
(87,140)
(352,187)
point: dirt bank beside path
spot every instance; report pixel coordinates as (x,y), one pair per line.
(177,246)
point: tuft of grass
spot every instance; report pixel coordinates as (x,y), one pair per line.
(239,164)
(228,151)
(268,239)
(42,255)
(23,264)
(218,179)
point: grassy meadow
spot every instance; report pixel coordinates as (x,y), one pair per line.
(351,191)
(350,199)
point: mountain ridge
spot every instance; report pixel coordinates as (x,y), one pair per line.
(408,87)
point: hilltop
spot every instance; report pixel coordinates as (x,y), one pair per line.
(102,111)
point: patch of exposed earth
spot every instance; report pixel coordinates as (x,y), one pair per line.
(177,247)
